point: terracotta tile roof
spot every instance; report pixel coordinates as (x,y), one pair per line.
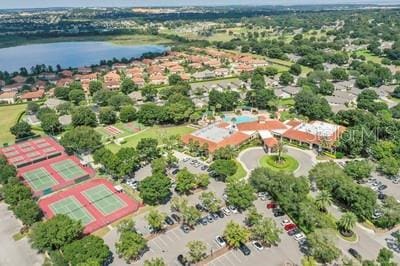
(8,95)
(293,123)
(266,125)
(270,142)
(33,95)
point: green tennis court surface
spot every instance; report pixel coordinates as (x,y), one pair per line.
(72,208)
(104,199)
(68,169)
(39,179)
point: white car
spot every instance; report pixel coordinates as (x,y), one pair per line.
(299,236)
(257,245)
(220,241)
(233,209)
(225,196)
(286,222)
(226,211)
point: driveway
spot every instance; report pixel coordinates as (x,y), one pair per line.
(250,159)
(15,252)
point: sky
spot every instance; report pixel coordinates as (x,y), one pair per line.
(4,4)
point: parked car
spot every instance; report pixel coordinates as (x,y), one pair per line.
(204,221)
(204,168)
(226,211)
(168,220)
(182,260)
(185,228)
(220,214)
(355,254)
(278,212)
(244,249)
(272,205)
(233,209)
(176,217)
(286,222)
(199,207)
(174,172)
(381,196)
(299,236)
(257,245)
(220,241)
(382,187)
(210,218)
(294,231)
(215,215)
(289,227)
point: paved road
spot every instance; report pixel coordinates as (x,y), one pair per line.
(250,159)
(15,252)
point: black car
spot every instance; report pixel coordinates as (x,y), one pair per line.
(278,212)
(204,221)
(381,196)
(199,207)
(182,260)
(382,187)
(174,172)
(244,249)
(168,220)
(176,217)
(355,254)
(220,214)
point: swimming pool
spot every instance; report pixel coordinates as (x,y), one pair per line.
(240,118)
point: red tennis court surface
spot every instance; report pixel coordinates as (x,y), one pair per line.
(113,131)
(53,174)
(32,151)
(95,203)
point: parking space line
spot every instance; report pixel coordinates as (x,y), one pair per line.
(236,257)
(175,235)
(155,244)
(162,241)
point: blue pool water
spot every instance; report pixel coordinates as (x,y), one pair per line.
(240,119)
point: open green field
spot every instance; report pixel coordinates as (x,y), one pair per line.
(155,132)
(8,117)
(116,39)
(369,56)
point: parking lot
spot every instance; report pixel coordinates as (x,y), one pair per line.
(11,250)
(391,189)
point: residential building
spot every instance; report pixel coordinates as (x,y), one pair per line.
(32,96)
(8,97)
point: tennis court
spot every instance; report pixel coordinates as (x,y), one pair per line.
(68,169)
(39,179)
(96,203)
(104,199)
(72,208)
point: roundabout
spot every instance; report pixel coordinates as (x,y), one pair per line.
(286,163)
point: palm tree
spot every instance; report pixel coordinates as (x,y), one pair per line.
(280,149)
(347,222)
(323,200)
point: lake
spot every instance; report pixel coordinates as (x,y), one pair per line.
(69,54)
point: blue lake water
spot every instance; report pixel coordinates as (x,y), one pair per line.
(69,54)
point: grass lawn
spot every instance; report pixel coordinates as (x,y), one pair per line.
(8,117)
(240,173)
(155,132)
(288,164)
(369,56)
(289,102)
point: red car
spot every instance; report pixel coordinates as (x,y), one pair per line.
(289,227)
(272,205)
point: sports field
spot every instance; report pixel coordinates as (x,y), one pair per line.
(95,203)
(68,169)
(104,199)
(39,179)
(73,208)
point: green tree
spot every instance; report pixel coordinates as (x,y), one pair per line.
(223,169)
(155,262)
(155,219)
(83,116)
(147,149)
(323,200)
(76,96)
(339,74)
(155,189)
(253,216)
(127,114)
(389,166)
(128,86)
(286,78)
(14,192)
(190,215)
(210,201)
(358,169)
(385,257)
(88,249)
(81,139)
(311,105)
(308,261)
(95,86)
(107,116)
(295,69)
(149,92)
(116,101)
(326,87)
(185,181)
(6,172)
(235,234)
(21,130)
(130,245)
(225,153)
(197,250)
(240,194)
(174,79)
(61,93)
(266,231)
(55,233)
(32,107)
(28,212)
(50,124)
(322,246)
(347,222)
